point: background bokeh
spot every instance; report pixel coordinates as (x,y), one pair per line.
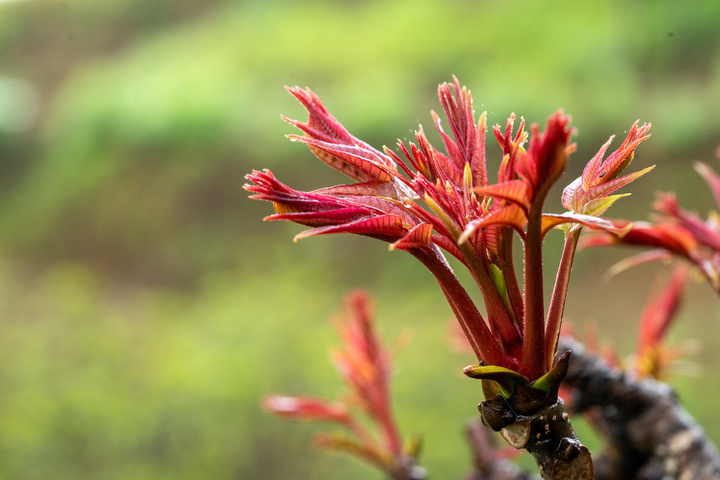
(144,306)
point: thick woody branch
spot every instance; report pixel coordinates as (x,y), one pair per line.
(486,465)
(649,434)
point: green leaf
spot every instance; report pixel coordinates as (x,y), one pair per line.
(500,285)
(550,382)
(443,216)
(598,206)
(507,379)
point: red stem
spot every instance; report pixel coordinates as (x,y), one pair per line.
(467,314)
(391,433)
(386,419)
(533,363)
(508,269)
(559,295)
(502,323)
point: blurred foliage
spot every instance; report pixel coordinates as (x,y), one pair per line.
(145,308)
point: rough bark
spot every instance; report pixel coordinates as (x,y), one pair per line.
(649,435)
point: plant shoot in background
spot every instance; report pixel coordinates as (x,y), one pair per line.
(365,365)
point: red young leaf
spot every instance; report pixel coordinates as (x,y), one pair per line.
(321,124)
(306,409)
(601,178)
(592,169)
(384,227)
(323,218)
(358,163)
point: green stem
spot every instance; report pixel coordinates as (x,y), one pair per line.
(559,295)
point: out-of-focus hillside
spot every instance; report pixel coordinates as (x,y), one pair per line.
(144,306)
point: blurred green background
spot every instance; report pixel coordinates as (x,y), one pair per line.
(144,306)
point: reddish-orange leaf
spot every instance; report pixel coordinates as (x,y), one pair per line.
(419,236)
(551,220)
(306,409)
(516,191)
(510,216)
